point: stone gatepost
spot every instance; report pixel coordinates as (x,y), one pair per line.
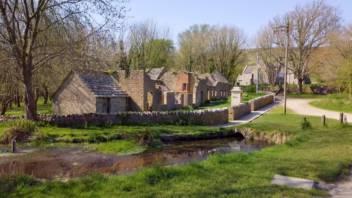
(236,99)
(236,96)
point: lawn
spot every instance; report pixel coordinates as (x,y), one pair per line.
(247,96)
(334,102)
(42,109)
(320,153)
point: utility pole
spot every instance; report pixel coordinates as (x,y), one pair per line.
(257,83)
(286,64)
(286,29)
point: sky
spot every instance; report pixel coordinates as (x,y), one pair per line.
(248,15)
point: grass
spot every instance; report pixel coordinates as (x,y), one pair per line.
(335,102)
(41,107)
(121,147)
(320,153)
(227,102)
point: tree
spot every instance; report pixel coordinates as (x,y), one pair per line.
(25,24)
(205,48)
(309,27)
(147,45)
(270,55)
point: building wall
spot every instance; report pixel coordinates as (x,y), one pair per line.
(142,91)
(200,92)
(176,80)
(117,104)
(133,85)
(74,98)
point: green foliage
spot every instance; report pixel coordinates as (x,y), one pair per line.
(20,130)
(305,124)
(249,88)
(158,174)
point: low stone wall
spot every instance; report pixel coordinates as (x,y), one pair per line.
(240,110)
(198,117)
(260,102)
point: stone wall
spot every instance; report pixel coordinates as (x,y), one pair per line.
(198,117)
(260,102)
(240,110)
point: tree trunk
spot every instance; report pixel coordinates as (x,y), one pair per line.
(46,95)
(300,85)
(29,97)
(18,99)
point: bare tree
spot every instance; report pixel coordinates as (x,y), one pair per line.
(205,48)
(24,24)
(309,27)
(141,40)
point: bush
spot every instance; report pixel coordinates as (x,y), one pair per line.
(20,130)
(249,88)
(306,124)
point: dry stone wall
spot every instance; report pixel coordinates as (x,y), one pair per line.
(239,111)
(198,117)
(261,102)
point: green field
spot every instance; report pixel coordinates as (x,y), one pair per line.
(320,153)
(335,102)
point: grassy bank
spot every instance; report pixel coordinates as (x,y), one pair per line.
(226,102)
(320,153)
(335,102)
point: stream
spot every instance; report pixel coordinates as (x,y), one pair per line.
(66,163)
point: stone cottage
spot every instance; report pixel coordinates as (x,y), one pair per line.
(218,87)
(89,92)
(181,82)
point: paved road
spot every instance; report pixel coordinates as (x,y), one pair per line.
(252,116)
(302,106)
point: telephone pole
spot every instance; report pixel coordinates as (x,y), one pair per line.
(286,29)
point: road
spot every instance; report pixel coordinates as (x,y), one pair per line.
(302,107)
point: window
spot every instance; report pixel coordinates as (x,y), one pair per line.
(184,87)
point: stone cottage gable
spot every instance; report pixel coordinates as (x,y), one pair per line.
(219,77)
(156,73)
(101,84)
(89,92)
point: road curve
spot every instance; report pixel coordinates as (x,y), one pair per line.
(302,107)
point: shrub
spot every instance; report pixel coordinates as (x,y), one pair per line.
(20,130)
(249,88)
(146,137)
(305,124)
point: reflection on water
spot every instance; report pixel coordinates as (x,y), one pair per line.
(73,162)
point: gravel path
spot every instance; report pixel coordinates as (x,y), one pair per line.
(302,106)
(343,189)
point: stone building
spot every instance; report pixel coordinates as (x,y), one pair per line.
(218,86)
(89,92)
(182,83)
(142,90)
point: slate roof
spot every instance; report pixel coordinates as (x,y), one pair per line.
(155,73)
(250,69)
(217,76)
(101,84)
(210,80)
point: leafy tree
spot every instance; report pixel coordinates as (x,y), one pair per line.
(25,24)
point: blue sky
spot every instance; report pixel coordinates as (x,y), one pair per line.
(248,15)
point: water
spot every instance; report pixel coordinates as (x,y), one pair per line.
(63,163)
